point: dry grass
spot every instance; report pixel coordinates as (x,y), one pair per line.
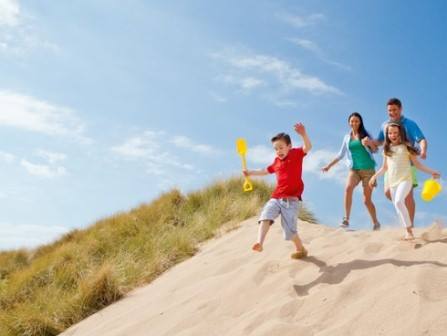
(43,292)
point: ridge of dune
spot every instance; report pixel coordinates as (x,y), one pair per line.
(352,283)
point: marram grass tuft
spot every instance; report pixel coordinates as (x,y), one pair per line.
(44,291)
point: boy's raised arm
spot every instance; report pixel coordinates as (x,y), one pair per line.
(301,130)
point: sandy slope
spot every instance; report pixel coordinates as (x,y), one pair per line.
(353,283)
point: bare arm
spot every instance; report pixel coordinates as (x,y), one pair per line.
(301,130)
(259,172)
(423,167)
(423,145)
(371,144)
(380,172)
(329,166)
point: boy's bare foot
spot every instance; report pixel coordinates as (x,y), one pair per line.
(257,247)
(299,254)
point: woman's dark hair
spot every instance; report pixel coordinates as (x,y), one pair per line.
(403,138)
(362,131)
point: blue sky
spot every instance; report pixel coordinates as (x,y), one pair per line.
(104,105)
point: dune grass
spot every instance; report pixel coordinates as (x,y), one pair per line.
(44,291)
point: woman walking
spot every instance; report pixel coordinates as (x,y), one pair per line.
(361,168)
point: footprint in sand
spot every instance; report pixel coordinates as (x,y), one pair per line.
(432,288)
(272,327)
(266,269)
(256,322)
(210,305)
(288,311)
(231,266)
(373,248)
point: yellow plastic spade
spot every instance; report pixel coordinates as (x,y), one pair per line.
(241,146)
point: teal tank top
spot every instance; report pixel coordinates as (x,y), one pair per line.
(360,157)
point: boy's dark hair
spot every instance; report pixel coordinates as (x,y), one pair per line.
(282,136)
(394,101)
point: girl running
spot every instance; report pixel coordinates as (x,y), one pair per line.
(398,156)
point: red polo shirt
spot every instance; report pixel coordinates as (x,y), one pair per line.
(288,174)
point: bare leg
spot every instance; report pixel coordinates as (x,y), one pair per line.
(367,192)
(298,244)
(399,194)
(301,252)
(350,185)
(264,227)
(388,194)
(410,235)
(411,206)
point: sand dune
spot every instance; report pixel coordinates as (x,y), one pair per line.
(353,283)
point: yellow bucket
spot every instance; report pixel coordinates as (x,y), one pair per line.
(430,190)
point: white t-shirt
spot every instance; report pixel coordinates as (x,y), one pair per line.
(399,165)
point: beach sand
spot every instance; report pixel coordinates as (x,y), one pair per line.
(352,283)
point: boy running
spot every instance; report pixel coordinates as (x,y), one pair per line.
(287,166)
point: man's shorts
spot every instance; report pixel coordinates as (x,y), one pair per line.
(288,209)
(363,175)
(414,178)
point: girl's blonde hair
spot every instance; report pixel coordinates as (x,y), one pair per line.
(403,138)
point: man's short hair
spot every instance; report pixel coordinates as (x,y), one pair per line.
(282,136)
(394,101)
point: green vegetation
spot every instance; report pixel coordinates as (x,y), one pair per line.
(44,291)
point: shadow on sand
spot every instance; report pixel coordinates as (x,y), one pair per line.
(427,242)
(336,274)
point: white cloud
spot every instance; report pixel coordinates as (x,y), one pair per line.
(164,165)
(42,170)
(185,142)
(316,160)
(244,83)
(261,155)
(316,50)
(18,35)
(51,157)
(49,169)
(13,236)
(249,83)
(150,144)
(306,44)
(155,151)
(19,42)
(285,103)
(218,97)
(265,69)
(140,146)
(302,21)
(7,157)
(30,114)
(9,12)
